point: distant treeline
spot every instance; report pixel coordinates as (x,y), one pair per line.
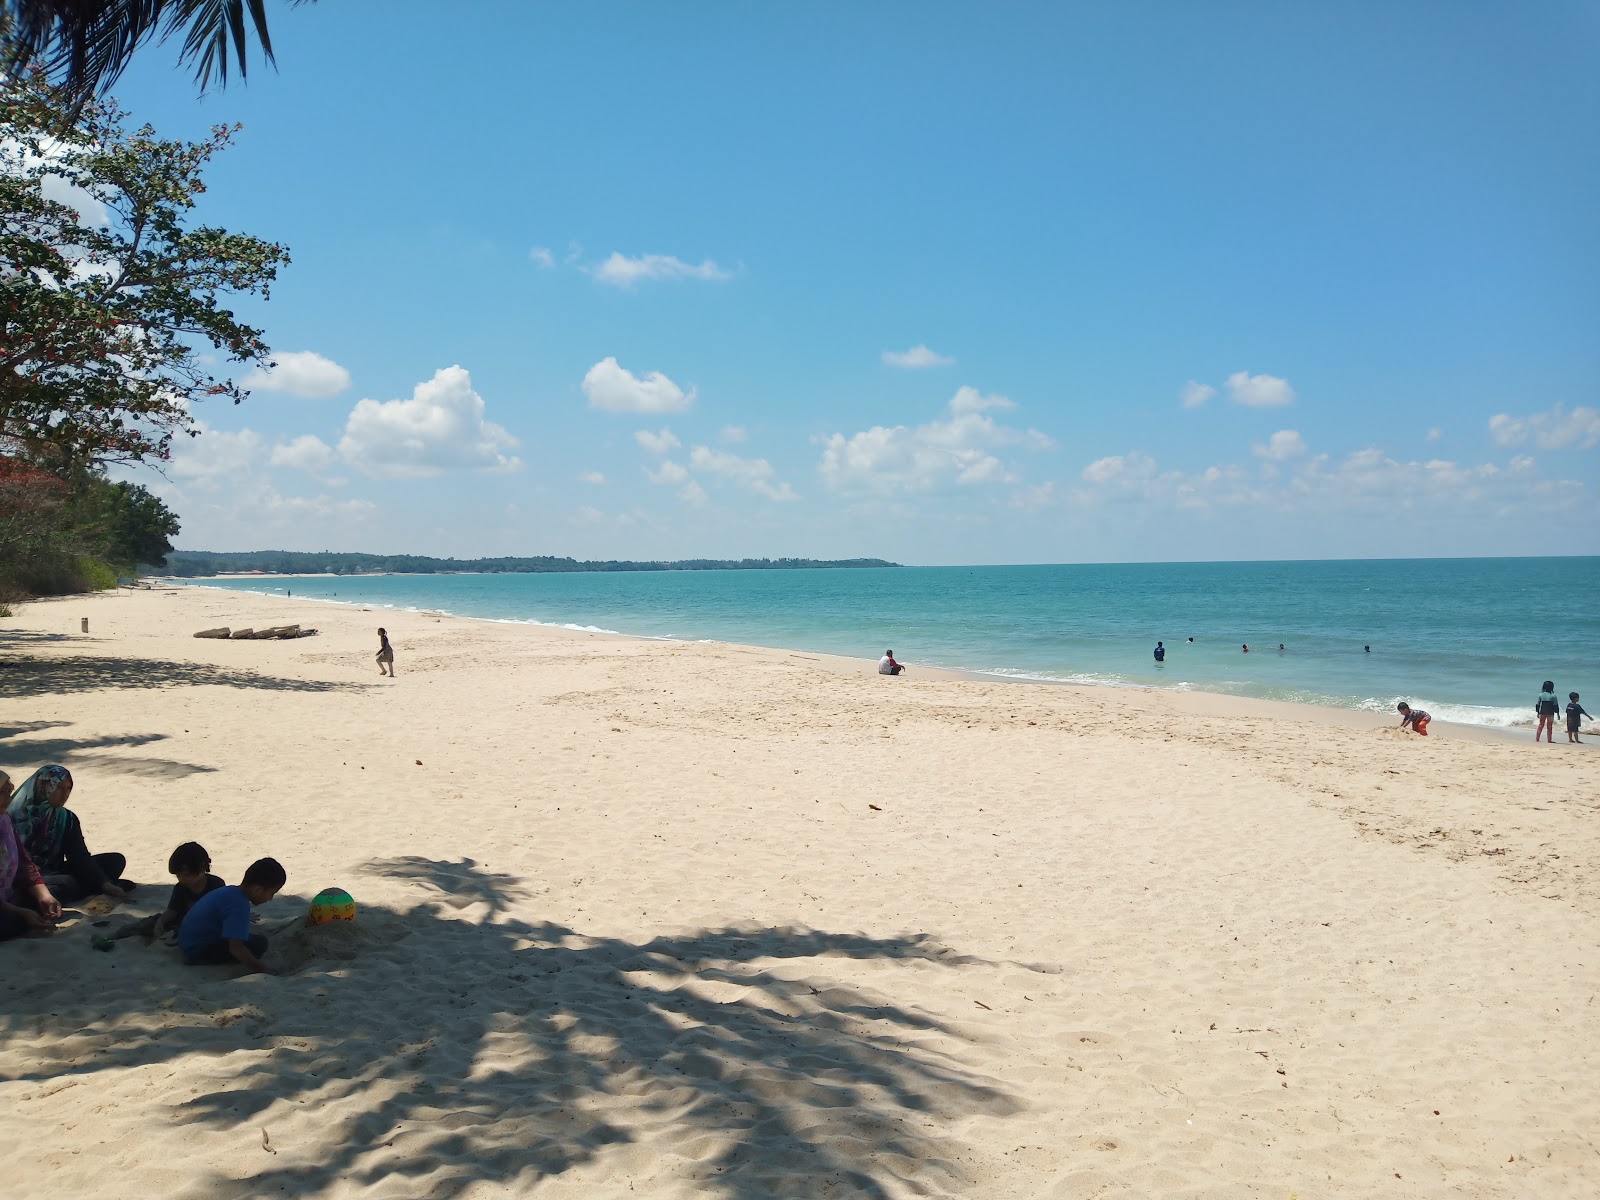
(192,563)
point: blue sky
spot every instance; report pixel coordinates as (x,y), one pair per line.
(1188,281)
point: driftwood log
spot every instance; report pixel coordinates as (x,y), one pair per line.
(221,631)
(284,632)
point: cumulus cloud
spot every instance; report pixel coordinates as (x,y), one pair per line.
(216,455)
(542,258)
(1557,429)
(621,271)
(307,453)
(594,477)
(692,493)
(1259,391)
(1193,395)
(1435,434)
(753,473)
(442,427)
(668,473)
(611,387)
(1281,446)
(954,452)
(734,434)
(1040,495)
(916,358)
(300,373)
(657,443)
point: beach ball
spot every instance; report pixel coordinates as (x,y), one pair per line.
(331,904)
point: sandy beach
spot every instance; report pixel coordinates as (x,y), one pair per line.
(645,918)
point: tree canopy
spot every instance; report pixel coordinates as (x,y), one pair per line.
(111,300)
(84,45)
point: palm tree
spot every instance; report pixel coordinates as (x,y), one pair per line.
(84,45)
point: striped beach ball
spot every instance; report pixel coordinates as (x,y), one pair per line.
(331,904)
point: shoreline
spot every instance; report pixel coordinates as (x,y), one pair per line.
(1209,701)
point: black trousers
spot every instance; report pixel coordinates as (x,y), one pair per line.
(69,888)
(218,952)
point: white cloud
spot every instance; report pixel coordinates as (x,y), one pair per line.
(621,271)
(941,454)
(657,443)
(1120,467)
(589,515)
(542,258)
(1281,446)
(216,456)
(753,473)
(1557,429)
(1435,434)
(1193,395)
(692,493)
(613,388)
(667,474)
(300,373)
(734,434)
(594,477)
(307,453)
(1040,495)
(916,358)
(1259,391)
(442,427)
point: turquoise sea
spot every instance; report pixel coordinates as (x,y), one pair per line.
(1468,639)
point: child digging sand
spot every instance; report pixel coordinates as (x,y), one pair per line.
(1414,717)
(217,929)
(191,864)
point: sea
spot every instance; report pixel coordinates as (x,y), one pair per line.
(1470,640)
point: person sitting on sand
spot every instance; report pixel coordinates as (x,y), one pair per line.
(53,836)
(385,653)
(192,865)
(217,929)
(26,905)
(1414,717)
(1546,707)
(887,664)
(1575,715)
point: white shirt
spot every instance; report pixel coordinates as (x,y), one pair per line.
(886,665)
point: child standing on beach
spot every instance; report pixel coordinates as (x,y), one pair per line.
(1414,717)
(385,653)
(217,929)
(1546,706)
(1575,714)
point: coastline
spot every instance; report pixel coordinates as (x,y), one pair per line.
(1205,703)
(656,918)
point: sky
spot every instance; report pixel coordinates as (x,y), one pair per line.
(937,283)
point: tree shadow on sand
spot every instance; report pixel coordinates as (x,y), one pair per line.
(505,1053)
(86,673)
(89,751)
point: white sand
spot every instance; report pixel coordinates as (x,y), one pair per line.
(657,919)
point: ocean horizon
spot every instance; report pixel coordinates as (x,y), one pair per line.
(1468,639)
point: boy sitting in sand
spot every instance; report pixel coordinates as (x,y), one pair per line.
(1414,717)
(217,929)
(192,865)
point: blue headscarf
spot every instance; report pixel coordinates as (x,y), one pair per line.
(42,827)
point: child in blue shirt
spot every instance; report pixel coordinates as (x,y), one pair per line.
(217,929)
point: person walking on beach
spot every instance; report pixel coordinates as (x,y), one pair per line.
(1546,707)
(887,664)
(1161,652)
(385,653)
(1414,717)
(1575,715)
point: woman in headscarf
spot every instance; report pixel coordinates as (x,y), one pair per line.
(53,838)
(26,905)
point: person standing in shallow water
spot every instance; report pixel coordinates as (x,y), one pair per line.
(385,653)
(1161,652)
(1545,708)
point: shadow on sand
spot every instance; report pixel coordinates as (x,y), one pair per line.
(26,753)
(439,1054)
(85,673)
